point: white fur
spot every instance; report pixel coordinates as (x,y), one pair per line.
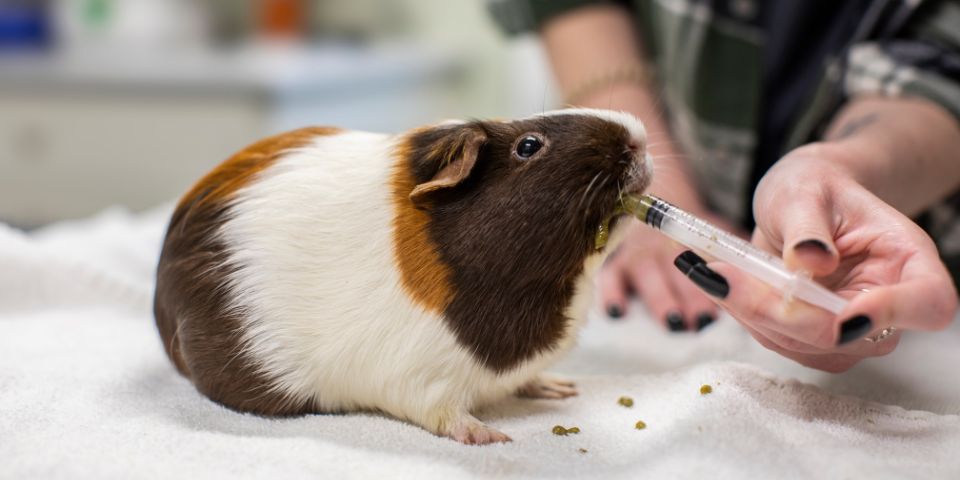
(633,125)
(324,310)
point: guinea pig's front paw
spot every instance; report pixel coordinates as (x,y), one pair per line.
(471,431)
(548,386)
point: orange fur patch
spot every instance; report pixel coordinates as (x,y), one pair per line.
(423,275)
(238,170)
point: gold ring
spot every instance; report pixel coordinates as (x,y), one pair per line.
(883,335)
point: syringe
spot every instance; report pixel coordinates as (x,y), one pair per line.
(714,242)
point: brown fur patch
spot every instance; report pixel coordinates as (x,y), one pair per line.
(424,277)
(198,329)
(500,251)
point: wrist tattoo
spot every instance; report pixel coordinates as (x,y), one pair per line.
(853,126)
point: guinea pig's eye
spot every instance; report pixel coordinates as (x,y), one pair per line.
(528,146)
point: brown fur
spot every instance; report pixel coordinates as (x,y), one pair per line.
(190,305)
(424,277)
(511,238)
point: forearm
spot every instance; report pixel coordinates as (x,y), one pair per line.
(905,151)
(595,40)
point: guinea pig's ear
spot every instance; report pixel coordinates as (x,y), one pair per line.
(451,154)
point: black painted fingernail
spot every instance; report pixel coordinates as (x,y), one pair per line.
(704,320)
(696,269)
(813,243)
(854,328)
(710,281)
(675,322)
(687,260)
(614,311)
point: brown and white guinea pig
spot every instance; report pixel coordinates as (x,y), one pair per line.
(421,274)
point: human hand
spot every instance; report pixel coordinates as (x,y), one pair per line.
(810,210)
(641,265)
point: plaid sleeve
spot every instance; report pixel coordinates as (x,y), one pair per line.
(522,16)
(924,60)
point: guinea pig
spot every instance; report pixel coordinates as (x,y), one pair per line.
(421,275)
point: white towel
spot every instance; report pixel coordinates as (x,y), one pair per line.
(86,392)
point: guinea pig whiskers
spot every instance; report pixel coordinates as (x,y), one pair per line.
(658,102)
(596,191)
(587,191)
(543,99)
(674,155)
(667,170)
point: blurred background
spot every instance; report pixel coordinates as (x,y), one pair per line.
(127,102)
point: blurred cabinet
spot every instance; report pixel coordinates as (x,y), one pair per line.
(80,134)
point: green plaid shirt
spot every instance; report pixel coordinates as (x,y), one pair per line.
(742,85)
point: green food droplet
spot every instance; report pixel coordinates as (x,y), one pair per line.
(625,401)
(641,425)
(559,430)
(626,205)
(705,389)
(603,234)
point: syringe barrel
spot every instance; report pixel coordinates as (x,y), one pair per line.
(714,242)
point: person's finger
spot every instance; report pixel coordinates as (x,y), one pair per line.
(695,268)
(753,302)
(785,343)
(698,310)
(804,333)
(613,286)
(760,304)
(925,303)
(922,298)
(653,284)
(805,226)
(798,327)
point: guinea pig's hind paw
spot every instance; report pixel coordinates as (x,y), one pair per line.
(471,431)
(545,386)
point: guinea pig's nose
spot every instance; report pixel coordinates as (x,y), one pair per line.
(634,146)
